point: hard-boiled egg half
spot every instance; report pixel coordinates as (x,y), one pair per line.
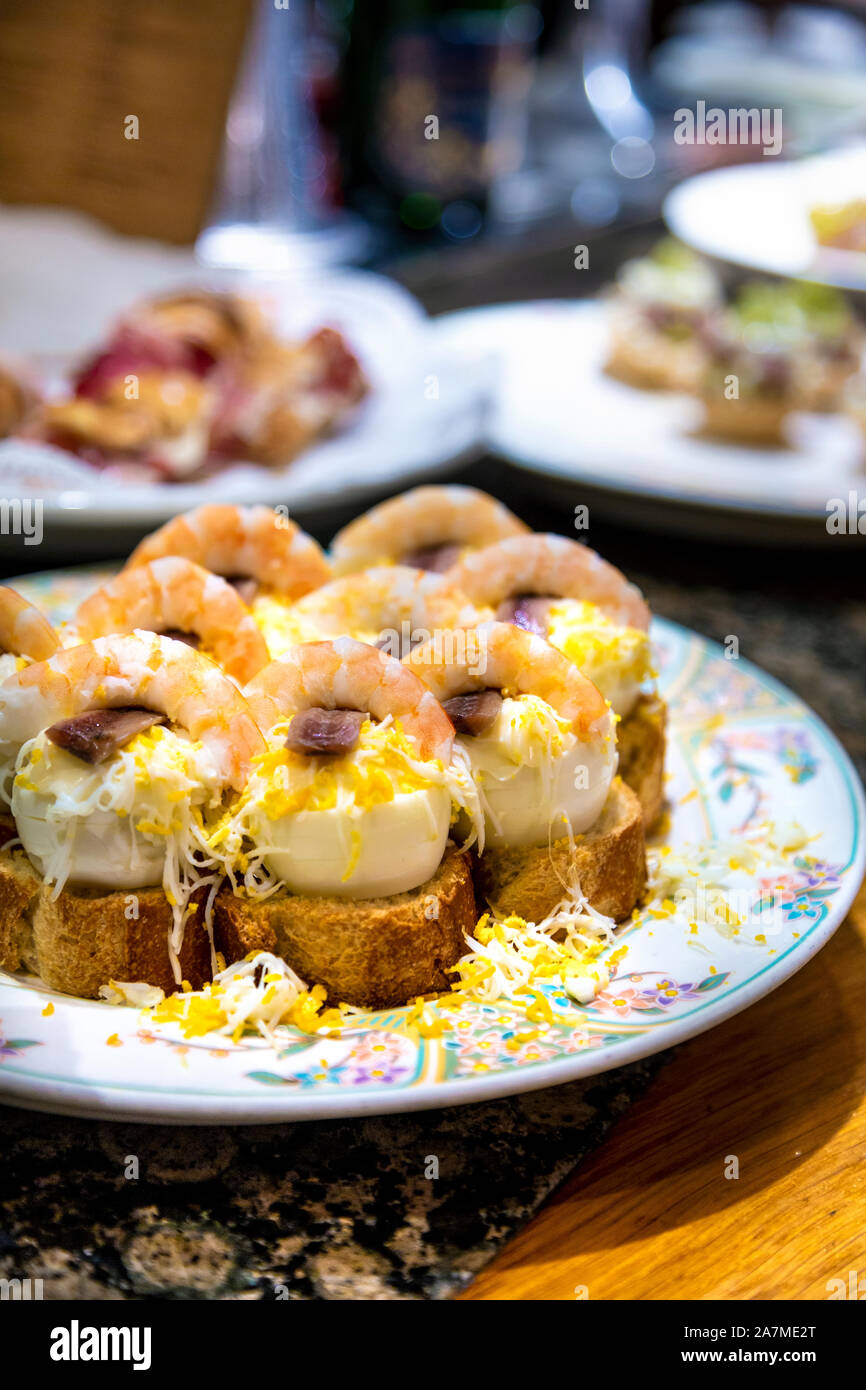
(537,779)
(112,824)
(365,823)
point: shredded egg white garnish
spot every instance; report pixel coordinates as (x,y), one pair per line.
(507,959)
(508,954)
(260,994)
(712,885)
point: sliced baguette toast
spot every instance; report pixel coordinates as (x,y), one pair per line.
(375,954)
(19,892)
(747,419)
(86,937)
(641,744)
(642,356)
(608,862)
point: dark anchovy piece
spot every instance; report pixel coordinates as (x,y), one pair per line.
(332,731)
(246,587)
(528,611)
(473,713)
(98,733)
(436,558)
(189,639)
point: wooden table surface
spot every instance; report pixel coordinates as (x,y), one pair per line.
(651,1214)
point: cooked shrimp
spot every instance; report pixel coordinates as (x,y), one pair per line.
(241,543)
(174,596)
(497,656)
(550,566)
(345,674)
(538,735)
(139,669)
(391,606)
(427,527)
(24,631)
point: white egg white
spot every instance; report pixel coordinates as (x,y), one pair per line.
(534,788)
(78,821)
(390,848)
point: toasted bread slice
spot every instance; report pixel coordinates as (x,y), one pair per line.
(86,937)
(642,356)
(608,863)
(376,953)
(748,419)
(641,743)
(19,892)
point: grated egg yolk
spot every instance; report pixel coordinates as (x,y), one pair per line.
(598,646)
(279,624)
(383,765)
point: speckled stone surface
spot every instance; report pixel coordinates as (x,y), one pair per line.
(339,1210)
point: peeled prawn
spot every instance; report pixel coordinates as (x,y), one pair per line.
(24,631)
(427,519)
(139,669)
(346,674)
(391,604)
(241,543)
(550,566)
(177,595)
(498,656)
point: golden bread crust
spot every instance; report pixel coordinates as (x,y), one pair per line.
(83,938)
(375,954)
(641,743)
(19,890)
(609,862)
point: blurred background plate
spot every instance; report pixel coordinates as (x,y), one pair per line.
(559,415)
(757,215)
(62,281)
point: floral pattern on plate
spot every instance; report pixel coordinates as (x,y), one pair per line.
(742,750)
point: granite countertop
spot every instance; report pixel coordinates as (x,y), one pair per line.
(334,1210)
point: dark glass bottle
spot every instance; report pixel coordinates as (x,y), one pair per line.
(434,102)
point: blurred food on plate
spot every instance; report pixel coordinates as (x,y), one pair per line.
(189,382)
(750,356)
(658,307)
(18,398)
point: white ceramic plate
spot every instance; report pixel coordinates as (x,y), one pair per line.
(556,412)
(757,215)
(62,282)
(743,750)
